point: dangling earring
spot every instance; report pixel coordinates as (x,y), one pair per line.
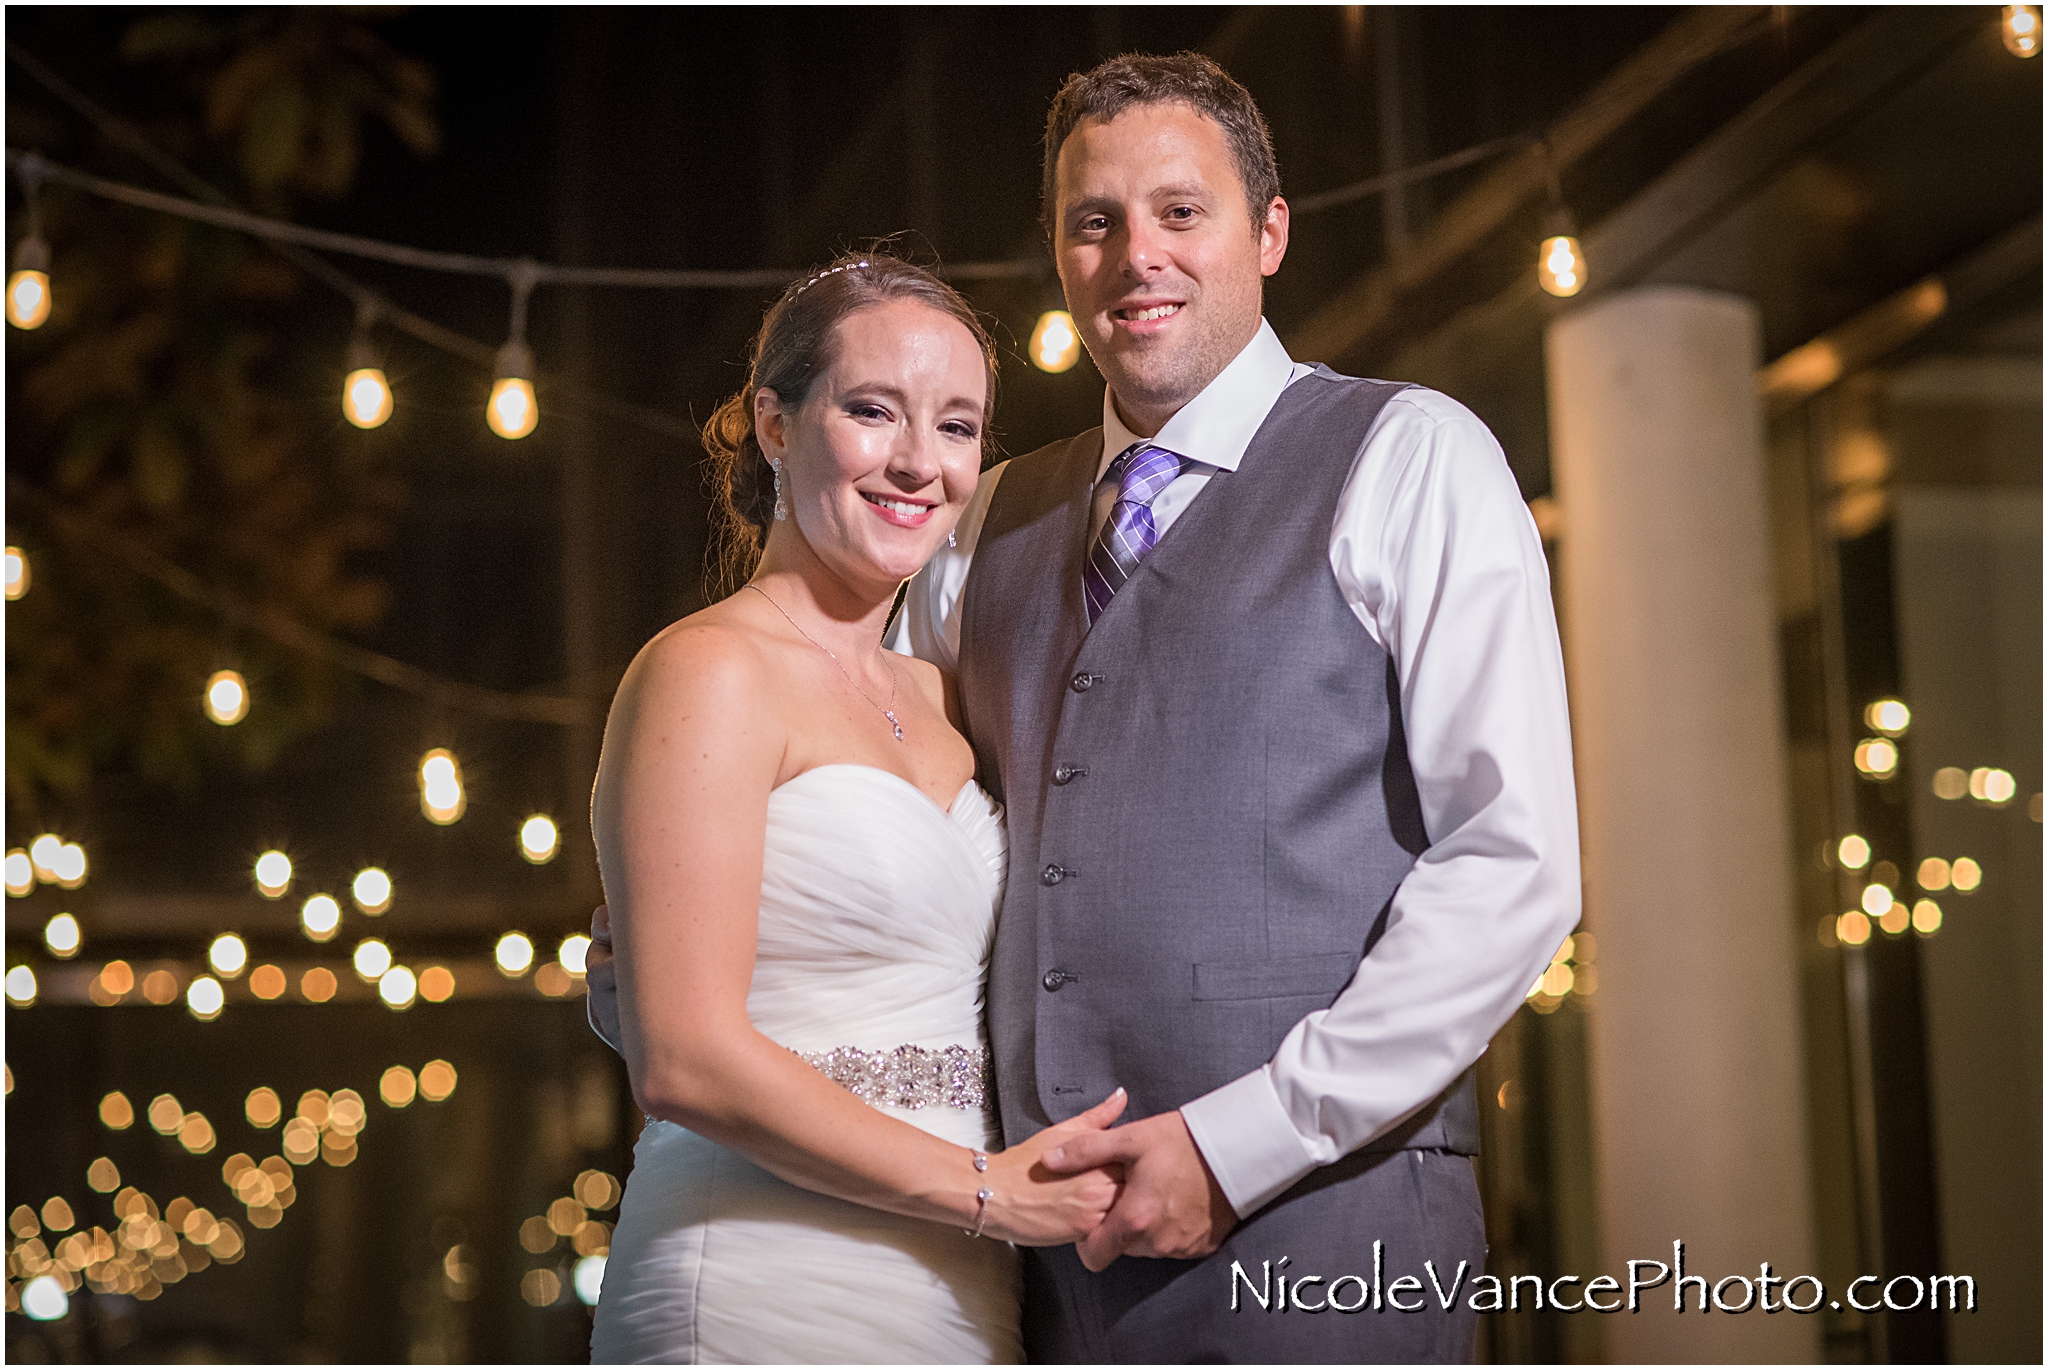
(951,541)
(781,509)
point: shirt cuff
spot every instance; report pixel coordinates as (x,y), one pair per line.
(1248,1140)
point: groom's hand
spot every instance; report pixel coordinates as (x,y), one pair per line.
(1170,1206)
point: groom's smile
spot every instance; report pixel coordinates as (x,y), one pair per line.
(1158,253)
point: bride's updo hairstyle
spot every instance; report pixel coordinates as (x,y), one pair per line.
(793,348)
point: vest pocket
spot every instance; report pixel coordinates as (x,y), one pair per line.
(1288,977)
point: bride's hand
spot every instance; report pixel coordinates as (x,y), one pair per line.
(1035,1207)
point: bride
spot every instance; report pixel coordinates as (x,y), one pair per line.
(802,879)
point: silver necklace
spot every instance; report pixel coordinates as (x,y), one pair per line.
(889,713)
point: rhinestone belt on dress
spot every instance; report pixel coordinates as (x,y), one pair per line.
(908,1077)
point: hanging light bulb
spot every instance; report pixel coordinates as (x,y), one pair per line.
(365,395)
(1561,265)
(227,698)
(14,572)
(2021,30)
(1560,262)
(1055,343)
(442,798)
(28,289)
(513,412)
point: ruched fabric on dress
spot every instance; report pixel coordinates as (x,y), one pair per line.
(877,918)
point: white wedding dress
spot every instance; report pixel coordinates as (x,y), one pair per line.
(877,917)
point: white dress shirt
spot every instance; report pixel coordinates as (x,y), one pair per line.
(1438,557)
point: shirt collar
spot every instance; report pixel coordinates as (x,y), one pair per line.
(1216,426)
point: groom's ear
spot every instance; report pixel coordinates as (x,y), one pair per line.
(1273,237)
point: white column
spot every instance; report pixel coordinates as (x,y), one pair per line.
(1657,455)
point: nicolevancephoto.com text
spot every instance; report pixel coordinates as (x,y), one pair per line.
(1273,1289)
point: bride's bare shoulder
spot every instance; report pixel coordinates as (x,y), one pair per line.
(713,657)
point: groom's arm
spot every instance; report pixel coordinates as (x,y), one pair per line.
(928,625)
(1437,555)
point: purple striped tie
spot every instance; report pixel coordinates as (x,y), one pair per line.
(1129,533)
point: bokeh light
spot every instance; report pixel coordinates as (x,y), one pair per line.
(1853,928)
(397,1087)
(366,397)
(205,998)
(397,987)
(574,953)
(21,986)
(227,698)
(1965,874)
(20,873)
(61,936)
(514,954)
(116,1112)
(371,890)
(1561,266)
(228,955)
(1055,342)
(372,958)
(1951,782)
(317,985)
(437,1081)
(539,839)
(14,572)
(1854,852)
(267,982)
(437,984)
(263,1108)
(320,917)
(273,874)
(442,798)
(1926,917)
(1887,716)
(1876,899)
(1933,874)
(1877,757)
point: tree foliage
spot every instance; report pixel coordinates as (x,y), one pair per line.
(182,402)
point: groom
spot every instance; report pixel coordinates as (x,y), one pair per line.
(1266,673)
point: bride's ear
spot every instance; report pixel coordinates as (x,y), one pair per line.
(769,423)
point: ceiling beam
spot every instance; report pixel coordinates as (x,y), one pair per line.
(1362,306)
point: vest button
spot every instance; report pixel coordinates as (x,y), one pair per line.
(1063,772)
(1083,680)
(1053,980)
(1052,875)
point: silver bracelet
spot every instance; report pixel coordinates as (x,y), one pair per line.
(981,1198)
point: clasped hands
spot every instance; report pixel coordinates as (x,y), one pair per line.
(1165,1202)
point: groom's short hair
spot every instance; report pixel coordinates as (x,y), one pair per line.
(1186,78)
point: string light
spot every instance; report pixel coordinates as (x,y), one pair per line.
(42,854)
(1877,758)
(1854,852)
(366,394)
(398,987)
(1988,785)
(228,955)
(574,953)
(514,954)
(273,874)
(1888,716)
(1561,265)
(1965,874)
(539,839)
(227,698)
(320,917)
(61,936)
(1560,261)
(513,411)
(372,958)
(1853,928)
(1926,917)
(1877,899)
(441,795)
(437,984)
(70,866)
(28,289)
(14,572)
(2020,27)
(371,890)
(21,986)
(1055,343)
(20,873)
(205,998)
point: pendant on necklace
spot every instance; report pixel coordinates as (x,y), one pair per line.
(894,724)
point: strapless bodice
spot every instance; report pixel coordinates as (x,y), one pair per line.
(878,912)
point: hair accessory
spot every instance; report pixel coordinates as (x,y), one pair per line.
(829,271)
(781,509)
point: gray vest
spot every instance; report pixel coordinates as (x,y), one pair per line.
(1210,804)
